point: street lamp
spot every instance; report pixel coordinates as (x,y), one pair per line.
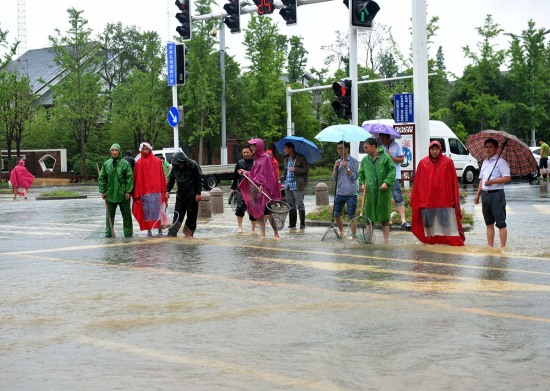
(223,148)
(532,68)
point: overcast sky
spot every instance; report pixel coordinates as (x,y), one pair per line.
(316,22)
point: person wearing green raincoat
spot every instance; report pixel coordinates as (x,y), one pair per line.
(376,176)
(116,182)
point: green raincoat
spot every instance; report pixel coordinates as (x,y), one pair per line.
(116,180)
(373,173)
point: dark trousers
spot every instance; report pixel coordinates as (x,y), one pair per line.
(186,204)
(126,212)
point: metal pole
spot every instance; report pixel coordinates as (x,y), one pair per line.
(223,149)
(176,129)
(288,112)
(420,80)
(354,145)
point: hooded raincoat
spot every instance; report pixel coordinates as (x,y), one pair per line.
(149,191)
(20,177)
(373,173)
(116,179)
(435,195)
(262,174)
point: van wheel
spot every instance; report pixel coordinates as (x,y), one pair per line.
(468,176)
(210,183)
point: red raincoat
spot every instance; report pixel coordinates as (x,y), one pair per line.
(149,191)
(436,186)
(20,177)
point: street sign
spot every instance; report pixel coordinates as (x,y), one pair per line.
(403,108)
(173,116)
(171,63)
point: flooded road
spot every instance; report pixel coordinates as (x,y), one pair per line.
(228,311)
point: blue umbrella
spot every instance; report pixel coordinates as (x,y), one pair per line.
(378,128)
(301,145)
(343,132)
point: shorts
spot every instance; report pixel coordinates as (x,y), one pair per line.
(397,194)
(543,162)
(429,215)
(349,200)
(493,205)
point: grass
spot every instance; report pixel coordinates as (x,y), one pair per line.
(60,193)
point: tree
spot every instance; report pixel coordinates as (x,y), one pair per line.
(265,49)
(200,95)
(297,59)
(477,100)
(139,102)
(529,80)
(78,104)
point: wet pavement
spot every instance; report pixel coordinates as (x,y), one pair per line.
(230,311)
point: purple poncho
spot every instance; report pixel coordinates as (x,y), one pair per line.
(262,174)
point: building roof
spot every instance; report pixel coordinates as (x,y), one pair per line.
(40,67)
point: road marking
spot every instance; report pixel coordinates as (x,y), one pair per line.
(223,366)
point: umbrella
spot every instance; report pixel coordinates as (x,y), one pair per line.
(378,128)
(512,149)
(302,146)
(343,132)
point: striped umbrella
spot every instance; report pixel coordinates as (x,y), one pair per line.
(512,149)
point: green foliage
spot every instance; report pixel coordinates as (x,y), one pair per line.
(91,160)
(320,173)
(60,193)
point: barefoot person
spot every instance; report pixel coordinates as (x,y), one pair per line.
(263,176)
(21,178)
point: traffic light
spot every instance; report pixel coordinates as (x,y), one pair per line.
(392,110)
(289,12)
(265,6)
(181,64)
(233,19)
(342,106)
(363,13)
(184,17)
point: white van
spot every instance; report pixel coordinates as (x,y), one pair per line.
(467,167)
(166,152)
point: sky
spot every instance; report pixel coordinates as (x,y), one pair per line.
(317,23)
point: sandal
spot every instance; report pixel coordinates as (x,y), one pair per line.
(406,225)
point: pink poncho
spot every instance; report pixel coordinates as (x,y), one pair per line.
(20,177)
(262,174)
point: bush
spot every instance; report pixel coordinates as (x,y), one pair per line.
(91,160)
(320,173)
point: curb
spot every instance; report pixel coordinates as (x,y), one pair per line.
(40,198)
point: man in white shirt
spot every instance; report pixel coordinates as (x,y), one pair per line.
(494,173)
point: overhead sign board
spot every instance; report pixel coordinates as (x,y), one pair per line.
(403,108)
(171,63)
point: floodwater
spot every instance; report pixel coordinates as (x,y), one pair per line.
(229,311)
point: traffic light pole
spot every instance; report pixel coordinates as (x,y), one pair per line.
(223,149)
(354,145)
(176,128)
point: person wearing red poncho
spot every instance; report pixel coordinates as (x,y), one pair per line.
(149,190)
(436,216)
(21,178)
(259,186)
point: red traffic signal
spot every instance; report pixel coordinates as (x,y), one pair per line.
(233,19)
(184,17)
(265,6)
(342,106)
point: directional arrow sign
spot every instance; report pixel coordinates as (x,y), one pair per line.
(173,116)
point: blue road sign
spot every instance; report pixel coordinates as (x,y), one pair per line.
(403,108)
(173,116)
(171,63)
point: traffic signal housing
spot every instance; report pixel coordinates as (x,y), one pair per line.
(342,106)
(265,6)
(289,11)
(184,17)
(233,19)
(363,13)
(181,64)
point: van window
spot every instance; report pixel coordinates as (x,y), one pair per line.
(441,141)
(457,147)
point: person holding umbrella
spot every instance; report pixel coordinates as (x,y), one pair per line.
(494,173)
(295,179)
(345,173)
